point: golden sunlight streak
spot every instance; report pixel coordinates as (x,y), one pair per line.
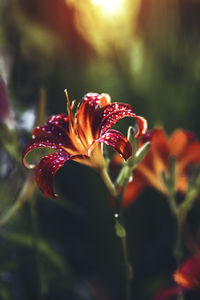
(111,6)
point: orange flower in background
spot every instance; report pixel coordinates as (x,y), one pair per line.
(181,145)
(80,137)
(187,278)
(188,274)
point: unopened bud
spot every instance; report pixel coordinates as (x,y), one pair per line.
(141,153)
(131,137)
(120,230)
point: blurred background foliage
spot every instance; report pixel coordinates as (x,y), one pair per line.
(142,52)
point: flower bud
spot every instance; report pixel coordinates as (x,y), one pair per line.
(141,153)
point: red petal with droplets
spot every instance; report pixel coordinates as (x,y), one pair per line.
(87,114)
(44,142)
(35,144)
(112,113)
(56,125)
(142,126)
(55,131)
(46,169)
(118,142)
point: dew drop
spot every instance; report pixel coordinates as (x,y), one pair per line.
(130,178)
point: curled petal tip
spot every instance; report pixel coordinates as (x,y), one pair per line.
(142,126)
(118,142)
(26,164)
(105,99)
(46,170)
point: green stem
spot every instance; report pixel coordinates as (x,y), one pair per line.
(25,193)
(178,246)
(179,213)
(35,231)
(11,212)
(120,229)
(108,182)
(121,233)
(128,268)
(172,203)
(180,297)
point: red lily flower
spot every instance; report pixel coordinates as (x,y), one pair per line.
(168,293)
(80,137)
(187,277)
(180,145)
(188,274)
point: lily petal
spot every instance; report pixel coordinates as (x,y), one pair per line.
(159,143)
(117,141)
(56,125)
(190,155)
(87,115)
(46,169)
(159,152)
(142,126)
(105,100)
(188,274)
(133,189)
(169,293)
(177,142)
(56,131)
(112,113)
(35,144)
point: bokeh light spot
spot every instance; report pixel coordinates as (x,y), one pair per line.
(111,6)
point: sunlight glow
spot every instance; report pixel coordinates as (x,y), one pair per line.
(109,6)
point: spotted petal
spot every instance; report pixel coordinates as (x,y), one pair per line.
(35,144)
(46,169)
(87,115)
(51,142)
(56,130)
(56,125)
(117,141)
(112,113)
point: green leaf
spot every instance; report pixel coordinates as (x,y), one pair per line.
(43,247)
